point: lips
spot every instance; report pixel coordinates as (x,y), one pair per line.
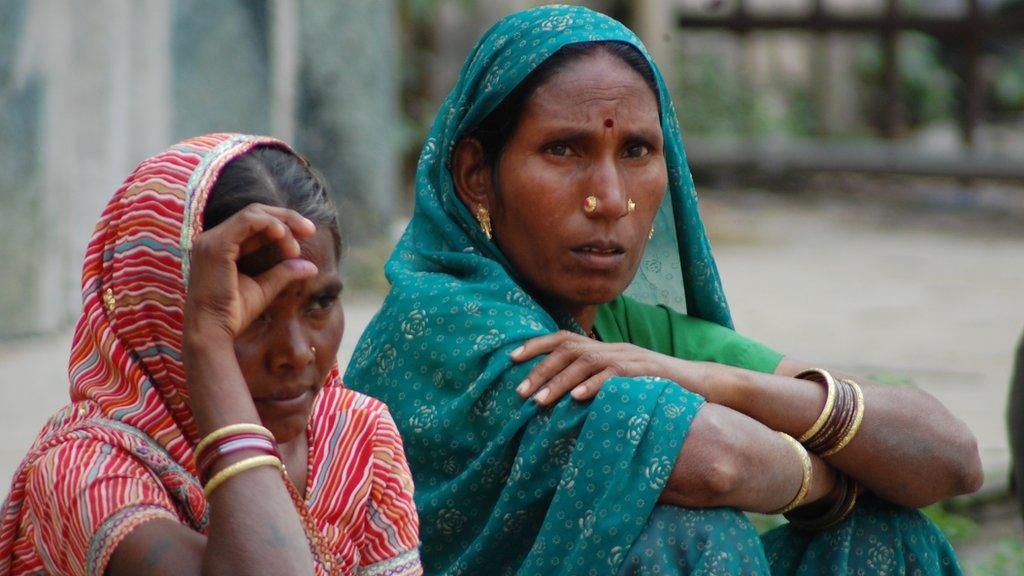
(600,247)
(285,402)
(600,255)
(284,395)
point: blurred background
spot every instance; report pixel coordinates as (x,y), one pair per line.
(860,163)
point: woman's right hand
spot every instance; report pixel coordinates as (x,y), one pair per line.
(221,300)
(580,366)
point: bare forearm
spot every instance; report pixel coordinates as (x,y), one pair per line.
(729,459)
(910,450)
(254,527)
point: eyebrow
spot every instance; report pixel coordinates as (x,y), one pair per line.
(333,285)
(576,134)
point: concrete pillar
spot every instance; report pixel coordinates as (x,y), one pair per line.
(104,109)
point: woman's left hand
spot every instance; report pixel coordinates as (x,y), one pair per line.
(580,366)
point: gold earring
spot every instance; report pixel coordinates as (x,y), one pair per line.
(630,206)
(590,204)
(484,218)
(650,235)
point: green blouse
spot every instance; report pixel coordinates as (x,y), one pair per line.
(662,329)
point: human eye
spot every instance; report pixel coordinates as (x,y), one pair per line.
(559,149)
(324,300)
(636,150)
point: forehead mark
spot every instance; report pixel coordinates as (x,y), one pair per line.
(608,122)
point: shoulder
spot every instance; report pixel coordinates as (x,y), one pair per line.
(342,399)
(342,411)
(85,495)
(663,329)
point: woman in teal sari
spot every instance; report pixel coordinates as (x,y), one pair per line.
(556,252)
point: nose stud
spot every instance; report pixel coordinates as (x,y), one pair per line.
(630,206)
(590,204)
(313,350)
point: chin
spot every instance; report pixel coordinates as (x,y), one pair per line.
(286,429)
(601,292)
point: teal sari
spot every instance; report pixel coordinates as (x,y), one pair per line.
(503,487)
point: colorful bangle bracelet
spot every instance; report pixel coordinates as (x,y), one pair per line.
(242,428)
(237,468)
(234,445)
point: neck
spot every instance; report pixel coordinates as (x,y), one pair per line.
(584,316)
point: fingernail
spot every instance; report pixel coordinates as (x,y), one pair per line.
(523,386)
(300,265)
(578,391)
(517,351)
(541,396)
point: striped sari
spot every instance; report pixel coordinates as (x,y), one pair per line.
(121,453)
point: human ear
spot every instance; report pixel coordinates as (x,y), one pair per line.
(471,174)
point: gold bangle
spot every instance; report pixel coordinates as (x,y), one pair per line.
(857,419)
(830,400)
(850,504)
(242,428)
(805,482)
(839,510)
(239,467)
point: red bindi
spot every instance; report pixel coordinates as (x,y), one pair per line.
(608,123)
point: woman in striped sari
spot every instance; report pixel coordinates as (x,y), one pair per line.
(202,368)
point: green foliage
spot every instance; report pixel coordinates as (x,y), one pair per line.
(363,266)
(890,378)
(712,100)
(1008,85)
(763,523)
(1008,559)
(926,83)
(954,526)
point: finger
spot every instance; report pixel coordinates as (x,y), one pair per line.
(560,384)
(554,363)
(275,233)
(542,345)
(257,225)
(299,225)
(588,389)
(270,283)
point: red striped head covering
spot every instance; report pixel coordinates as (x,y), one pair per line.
(127,380)
(126,353)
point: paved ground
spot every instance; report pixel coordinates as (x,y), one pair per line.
(932,295)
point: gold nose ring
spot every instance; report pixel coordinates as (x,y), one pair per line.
(590,204)
(630,206)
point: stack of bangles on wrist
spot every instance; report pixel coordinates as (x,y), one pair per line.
(233,439)
(843,498)
(835,427)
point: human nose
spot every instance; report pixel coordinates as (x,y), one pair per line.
(291,346)
(607,187)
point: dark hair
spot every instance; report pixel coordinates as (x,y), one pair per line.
(494,131)
(274,177)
